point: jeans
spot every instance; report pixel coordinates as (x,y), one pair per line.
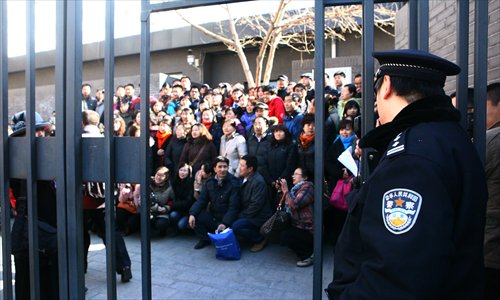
(247,230)
(179,220)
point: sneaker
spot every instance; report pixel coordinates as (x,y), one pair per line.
(126,274)
(259,246)
(201,244)
(306,262)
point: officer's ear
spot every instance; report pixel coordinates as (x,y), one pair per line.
(386,88)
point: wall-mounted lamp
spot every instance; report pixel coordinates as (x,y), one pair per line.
(191,60)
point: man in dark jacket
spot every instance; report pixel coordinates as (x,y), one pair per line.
(258,145)
(415,228)
(254,205)
(222,191)
(47,223)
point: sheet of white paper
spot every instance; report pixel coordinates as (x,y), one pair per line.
(348,161)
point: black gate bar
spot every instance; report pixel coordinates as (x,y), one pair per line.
(480,75)
(61,189)
(319,76)
(368,121)
(144,151)
(109,146)
(31,180)
(423,25)
(462,59)
(4,155)
(73,135)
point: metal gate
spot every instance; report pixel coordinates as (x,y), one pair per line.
(60,158)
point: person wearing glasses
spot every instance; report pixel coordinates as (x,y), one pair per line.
(415,227)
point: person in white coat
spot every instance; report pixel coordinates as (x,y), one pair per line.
(232,146)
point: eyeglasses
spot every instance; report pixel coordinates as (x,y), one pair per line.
(297,174)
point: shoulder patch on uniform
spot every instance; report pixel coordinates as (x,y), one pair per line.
(400,208)
(397,145)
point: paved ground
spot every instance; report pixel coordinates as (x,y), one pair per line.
(180,272)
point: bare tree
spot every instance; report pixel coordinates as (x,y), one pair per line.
(290,28)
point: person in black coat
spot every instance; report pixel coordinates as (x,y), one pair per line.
(47,226)
(281,160)
(305,144)
(258,145)
(183,185)
(222,192)
(254,205)
(175,147)
(415,227)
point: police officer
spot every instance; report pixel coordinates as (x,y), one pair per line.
(415,227)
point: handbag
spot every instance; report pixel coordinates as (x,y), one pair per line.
(226,245)
(342,188)
(279,221)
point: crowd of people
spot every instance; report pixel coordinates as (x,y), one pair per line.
(225,156)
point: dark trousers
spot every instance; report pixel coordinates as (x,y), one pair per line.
(96,217)
(127,222)
(299,240)
(49,279)
(205,223)
(247,230)
(492,284)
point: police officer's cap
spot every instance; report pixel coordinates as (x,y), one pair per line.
(416,64)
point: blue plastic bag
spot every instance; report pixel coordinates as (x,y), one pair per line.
(226,244)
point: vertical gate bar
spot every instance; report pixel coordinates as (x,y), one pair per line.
(73,148)
(60,88)
(109,74)
(462,59)
(480,75)
(145,166)
(319,74)
(4,155)
(423,25)
(412,24)
(31,180)
(368,121)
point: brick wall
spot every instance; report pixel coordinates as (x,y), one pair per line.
(443,38)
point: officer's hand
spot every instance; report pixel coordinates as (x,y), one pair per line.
(192,221)
(161,152)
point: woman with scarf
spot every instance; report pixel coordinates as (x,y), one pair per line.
(209,120)
(162,139)
(306,144)
(198,149)
(299,203)
(335,171)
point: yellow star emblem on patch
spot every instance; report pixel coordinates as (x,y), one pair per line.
(399,202)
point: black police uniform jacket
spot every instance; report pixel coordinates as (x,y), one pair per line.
(415,228)
(223,198)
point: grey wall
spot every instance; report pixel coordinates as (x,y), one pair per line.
(442,36)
